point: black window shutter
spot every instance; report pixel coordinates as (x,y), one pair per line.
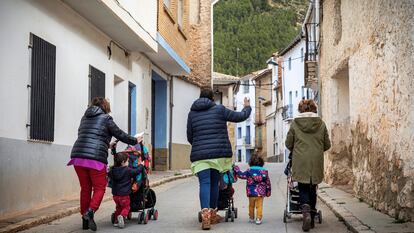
(97,83)
(42,98)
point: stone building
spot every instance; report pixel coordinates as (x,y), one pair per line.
(224,87)
(200,43)
(263,93)
(366,80)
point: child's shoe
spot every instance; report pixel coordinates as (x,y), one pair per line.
(251,220)
(258,221)
(121,222)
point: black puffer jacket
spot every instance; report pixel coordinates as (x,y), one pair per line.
(95,132)
(121,179)
(207,129)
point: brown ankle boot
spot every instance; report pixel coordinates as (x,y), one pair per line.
(215,218)
(206,219)
(306,217)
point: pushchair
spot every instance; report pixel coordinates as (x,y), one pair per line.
(225,200)
(142,197)
(292,197)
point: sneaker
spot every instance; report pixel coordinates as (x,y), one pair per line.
(116,224)
(258,221)
(251,220)
(121,223)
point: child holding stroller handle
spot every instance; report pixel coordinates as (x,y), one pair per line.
(120,175)
(257,186)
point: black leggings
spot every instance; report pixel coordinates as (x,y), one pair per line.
(307,194)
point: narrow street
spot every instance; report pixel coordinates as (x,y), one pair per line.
(178,205)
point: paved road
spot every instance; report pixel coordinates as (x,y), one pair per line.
(178,206)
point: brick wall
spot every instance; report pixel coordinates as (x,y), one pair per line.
(262,90)
(176,36)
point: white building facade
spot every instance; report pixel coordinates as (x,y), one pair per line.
(245,131)
(288,73)
(57,56)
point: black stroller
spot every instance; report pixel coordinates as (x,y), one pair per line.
(142,197)
(226,201)
(292,197)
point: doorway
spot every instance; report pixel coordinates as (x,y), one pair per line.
(159,122)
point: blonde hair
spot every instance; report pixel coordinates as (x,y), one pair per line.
(307,105)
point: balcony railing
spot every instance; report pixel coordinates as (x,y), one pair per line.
(248,141)
(287,112)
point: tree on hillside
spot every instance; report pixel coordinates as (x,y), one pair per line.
(246,32)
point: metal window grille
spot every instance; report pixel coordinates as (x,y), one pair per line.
(96,83)
(42,89)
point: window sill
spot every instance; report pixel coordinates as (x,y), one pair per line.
(183,33)
(39,141)
(169,13)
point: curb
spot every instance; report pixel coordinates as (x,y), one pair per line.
(352,222)
(30,223)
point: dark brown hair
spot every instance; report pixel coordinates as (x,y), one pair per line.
(102,103)
(256,160)
(307,105)
(120,158)
(207,92)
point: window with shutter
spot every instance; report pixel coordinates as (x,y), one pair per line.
(42,89)
(96,83)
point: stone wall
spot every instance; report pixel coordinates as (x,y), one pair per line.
(366,74)
(200,43)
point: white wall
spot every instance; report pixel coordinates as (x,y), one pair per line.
(145,12)
(184,95)
(239,98)
(293,79)
(78,45)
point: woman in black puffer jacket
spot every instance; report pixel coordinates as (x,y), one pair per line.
(90,156)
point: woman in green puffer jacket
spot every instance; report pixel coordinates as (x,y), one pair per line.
(307,139)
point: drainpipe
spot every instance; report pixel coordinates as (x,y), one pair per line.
(170,125)
(317,29)
(171,121)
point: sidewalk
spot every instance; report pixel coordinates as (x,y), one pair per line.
(357,215)
(65,208)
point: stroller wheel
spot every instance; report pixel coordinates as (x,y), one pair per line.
(320,217)
(113,218)
(140,217)
(146,218)
(149,213)
(226,216)
(235,212)
(200,218)
(232,216)
(155,215)
(129,217)
(285,216)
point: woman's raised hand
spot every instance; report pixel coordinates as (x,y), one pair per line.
(246,102)
(139,138)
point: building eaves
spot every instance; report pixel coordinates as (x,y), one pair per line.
(262,73)
(224,78)
(292,44)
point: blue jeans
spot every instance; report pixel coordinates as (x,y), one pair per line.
(209,188)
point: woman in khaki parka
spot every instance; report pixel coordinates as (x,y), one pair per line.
(307,139)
